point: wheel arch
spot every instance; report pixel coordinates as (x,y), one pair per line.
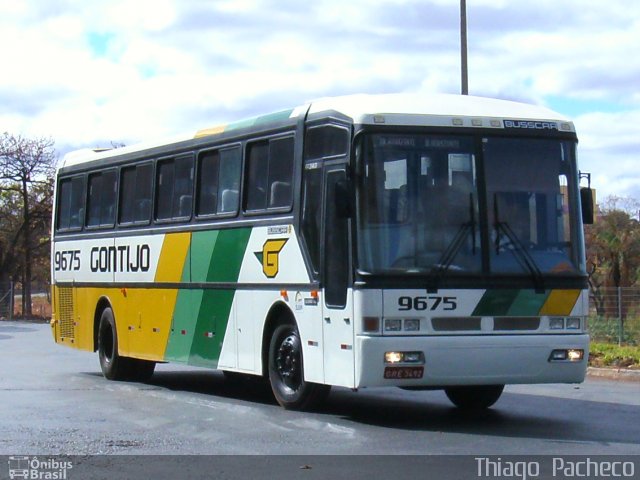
(278,314)
(103,303)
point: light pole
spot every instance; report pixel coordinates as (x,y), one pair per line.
(464,83)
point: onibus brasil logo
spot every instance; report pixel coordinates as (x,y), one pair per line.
(35,468)
(269,257)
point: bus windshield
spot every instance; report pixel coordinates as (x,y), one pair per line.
(423,209)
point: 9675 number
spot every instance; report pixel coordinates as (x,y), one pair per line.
(427,303)
(67,260)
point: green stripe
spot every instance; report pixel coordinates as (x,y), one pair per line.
(263,119)
(528,303)
(495,303)
(215,305)
(214,256)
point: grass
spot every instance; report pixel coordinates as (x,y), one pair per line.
(611,355)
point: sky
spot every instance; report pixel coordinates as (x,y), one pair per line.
(93,73)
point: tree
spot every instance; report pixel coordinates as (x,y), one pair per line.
(613,250)
(27,169)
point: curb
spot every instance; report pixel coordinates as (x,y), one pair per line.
(614,374)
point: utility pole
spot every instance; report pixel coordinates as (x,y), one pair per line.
(463,48)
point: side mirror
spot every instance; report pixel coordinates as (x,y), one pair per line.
(586,200)
(343,199)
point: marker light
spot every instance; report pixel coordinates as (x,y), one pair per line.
(558,355)
(371,324)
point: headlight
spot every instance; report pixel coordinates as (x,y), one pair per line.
(412,325)
(556,323)
(573,323)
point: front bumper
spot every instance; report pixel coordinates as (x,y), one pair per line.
(474,360)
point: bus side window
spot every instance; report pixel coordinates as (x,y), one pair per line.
(71,204)
(280,172)
(257,176)
(229,180)
(218,182)
(135,194)
(101,199)
(311,212)
(270,174)
(207,197)
(174,187)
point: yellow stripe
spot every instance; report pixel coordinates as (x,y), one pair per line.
(560,302)
(210,131)
(172,256)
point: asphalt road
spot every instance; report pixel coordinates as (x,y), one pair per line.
(54,400)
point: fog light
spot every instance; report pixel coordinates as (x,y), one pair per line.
(573,323)
(392,324)
(393,357)
(556,323)
(412,325)
(575,355)
(413,357)
(558,355)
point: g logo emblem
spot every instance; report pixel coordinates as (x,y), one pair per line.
(270,256)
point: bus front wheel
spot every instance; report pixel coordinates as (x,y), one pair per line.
(286,371)
(474,397)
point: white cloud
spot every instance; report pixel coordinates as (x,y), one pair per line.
(90,72)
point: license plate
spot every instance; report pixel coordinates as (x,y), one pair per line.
(402,373)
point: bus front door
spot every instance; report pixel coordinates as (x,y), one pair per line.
(337,304)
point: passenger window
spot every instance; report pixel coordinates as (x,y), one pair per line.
(135,194)
(218,182)
(101,199)
(174,188)
(71,204)
(208,170)
(270,174)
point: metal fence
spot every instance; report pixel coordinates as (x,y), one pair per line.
(11,305)
(6,301)
(614,315)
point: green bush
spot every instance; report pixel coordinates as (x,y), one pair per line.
(610,355)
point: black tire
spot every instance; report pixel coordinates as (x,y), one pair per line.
(474,397)
(114,366)
(141,370)
(286,372)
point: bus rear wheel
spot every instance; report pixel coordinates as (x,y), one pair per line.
(474,397)
(286,371)
(114,366)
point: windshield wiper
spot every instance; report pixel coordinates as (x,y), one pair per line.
(519,251)
(446,259)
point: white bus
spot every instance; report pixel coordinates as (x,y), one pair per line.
(421,242)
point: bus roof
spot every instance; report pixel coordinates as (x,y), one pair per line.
(444,110)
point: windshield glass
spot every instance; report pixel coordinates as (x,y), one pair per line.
(529,185)
(420,209)
(419,204)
